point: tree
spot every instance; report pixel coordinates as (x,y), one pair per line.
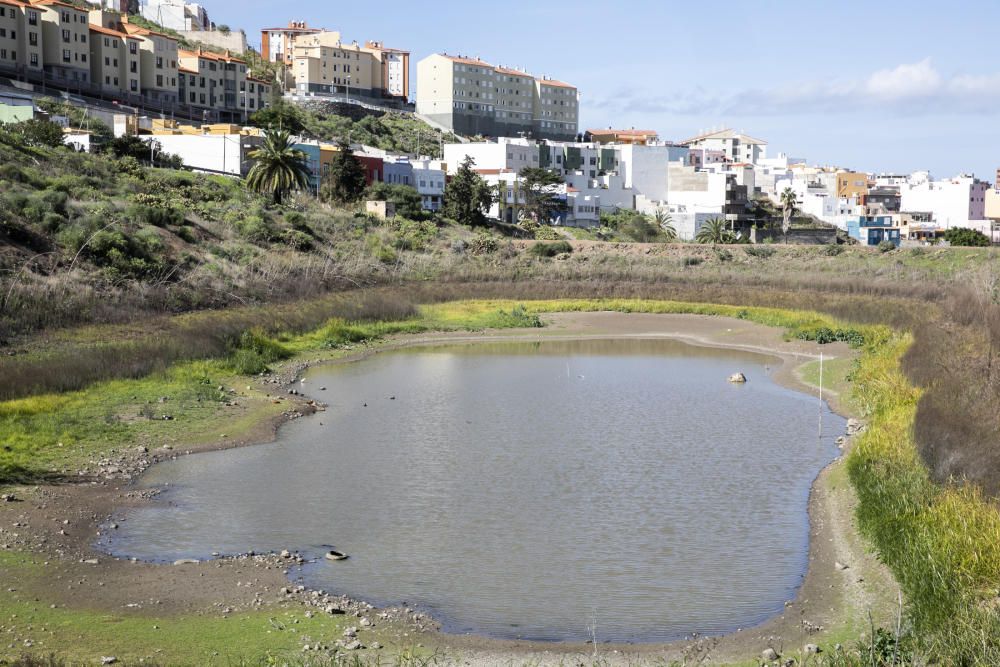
(278,167)
(541,201)
(405,198)
(714,231)
(788,203)
(640,229)
(224,29)
(666,225)
(38,132)
(280,116)
(962,236)
(346,181)
(467,196)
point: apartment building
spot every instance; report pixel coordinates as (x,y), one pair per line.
(214,82)
(115,61)
(10,29)
(321,63)
(277,44)
(735,146)
(395,70)
(65,45)
(852,184)
(157,63)
(258,94)
(953,202)
(472,97)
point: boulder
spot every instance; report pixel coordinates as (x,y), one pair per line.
(738,378)
(769,655)
(811,649)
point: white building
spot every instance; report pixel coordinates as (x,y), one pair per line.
(176,14)
(211,153)
(429,178)
(953,202)
(736,146)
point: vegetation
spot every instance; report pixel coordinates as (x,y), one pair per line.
(541,203)
(961,236)
(789,202)
(551,249)
(346,182)
(278,168)
(467,197)
(714,231)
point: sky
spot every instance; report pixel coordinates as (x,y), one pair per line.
(886,86)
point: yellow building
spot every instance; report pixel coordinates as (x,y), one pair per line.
(30,39)
(65,34)
(221,84)
(158,66)
(321,63)
(11,22)
(992,204)
(115,61)
(852,184)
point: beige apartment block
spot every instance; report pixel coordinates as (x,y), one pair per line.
(65,35)
(394,66)
(321,63)
(11,22)
(30,39)
(115,61)
(157,63)
(472,97)
(215,82)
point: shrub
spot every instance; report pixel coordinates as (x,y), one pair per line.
(833,249)
(547,233)
(825,335)
(253,351)
(551,249)
(158,216)
(517,317)
(723,255)
(254,228)
(691,261)
(960,236)
(297,240)
(338,333)
(483,244)
(759,251)
(886,246)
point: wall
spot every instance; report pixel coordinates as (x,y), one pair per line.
(220,153)
(235,41)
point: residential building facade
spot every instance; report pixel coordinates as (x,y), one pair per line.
(954,202)
(66,49)
(735,146)
(472,97)
(115,61)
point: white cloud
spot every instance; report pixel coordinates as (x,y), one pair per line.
(907,89)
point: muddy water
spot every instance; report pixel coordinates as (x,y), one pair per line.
(525,490)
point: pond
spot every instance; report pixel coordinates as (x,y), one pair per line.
(525,490)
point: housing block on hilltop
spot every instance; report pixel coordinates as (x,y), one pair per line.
(319,62)
(472,97)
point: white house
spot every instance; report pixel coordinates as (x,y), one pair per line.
(953,202)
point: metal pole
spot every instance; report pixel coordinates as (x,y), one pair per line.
(820,394)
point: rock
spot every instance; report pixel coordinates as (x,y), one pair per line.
(91,561)
(186,561)
(769,655)
(375,645)
(366,622)
(840,566)
(811,649)
(353,645)
(285,554)
(8,498)
(332,610)
(351,632)
(738,378)
(108,659)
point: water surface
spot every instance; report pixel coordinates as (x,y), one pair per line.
(525,489)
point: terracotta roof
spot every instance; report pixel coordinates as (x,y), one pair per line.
(15,3)
(208,55)
(108,31)
(133,29)
(181,68)
(493,172)
(624,133)
(56,3)
(467,61)
(507,70)
(288,29)
(264,81)
(727,133)
(557,84)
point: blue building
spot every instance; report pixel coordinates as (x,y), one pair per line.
(398,173)
(873,229)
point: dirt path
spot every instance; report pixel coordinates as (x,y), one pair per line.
(843,582)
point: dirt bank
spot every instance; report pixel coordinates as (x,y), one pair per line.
(61,523)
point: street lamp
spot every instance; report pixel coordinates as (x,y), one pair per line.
(348,88)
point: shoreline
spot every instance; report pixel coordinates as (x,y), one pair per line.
(825,598)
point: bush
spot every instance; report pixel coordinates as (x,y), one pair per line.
(517,317)
(723,255)
(547,233)
(886,246)
(825,335)
(759,251)
(484,244)
(298,240)
(551,249)
(253,351)
(157,216)
(833,249)
(691,261)
(960,236)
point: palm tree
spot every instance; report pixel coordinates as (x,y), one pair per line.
(788,203)
(278,167)
(714,231)
(665,223)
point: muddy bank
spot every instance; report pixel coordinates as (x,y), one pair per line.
(61,523)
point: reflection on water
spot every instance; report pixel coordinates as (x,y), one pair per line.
(525,490)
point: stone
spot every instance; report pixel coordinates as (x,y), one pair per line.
(769,655)
(351,632)
(353,645)
(186,561)
(366,622)
(108,659)
(811,649)
(8,498)
(333,610)
(375,645)
(738,378)
(840,566)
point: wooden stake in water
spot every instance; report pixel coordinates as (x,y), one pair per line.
(820,394)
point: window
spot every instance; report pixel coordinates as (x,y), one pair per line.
(34,60)
(132,48)
(65,35)
(67,56)
(159,80)
(133,67)
(32,18)
(33,38)
(193,98)
(159,63)
(83,38)
(107,80)
(134,85)
(107,61)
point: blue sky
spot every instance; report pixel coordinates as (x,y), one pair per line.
(887,86)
